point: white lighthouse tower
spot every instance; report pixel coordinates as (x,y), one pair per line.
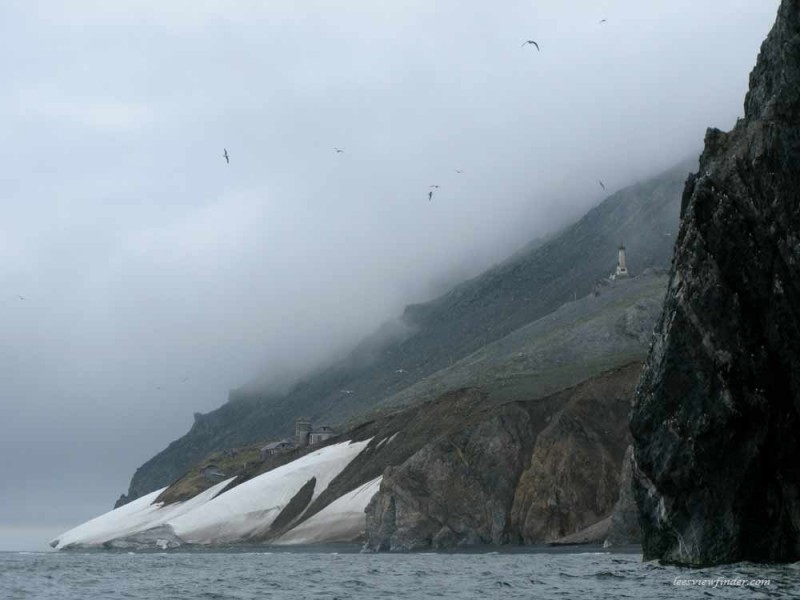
(622,270)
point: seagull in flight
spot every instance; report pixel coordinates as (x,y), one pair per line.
(21,297)
(346,391)
(435,186)
(338,151)
(602,21)
(430,195)
(400,371)
(531,42)
(459,171)
(225,155)
(601,184)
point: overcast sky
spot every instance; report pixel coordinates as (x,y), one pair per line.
(156,277)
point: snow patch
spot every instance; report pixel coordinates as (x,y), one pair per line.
(241,513)
(134,517)
(343,520)
(248,510)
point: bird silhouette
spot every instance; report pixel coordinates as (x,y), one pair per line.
(531,42)
(430,195)
(601,184)
(435,186)
(21,297)
(602,20)
(338,151)
(459,171)
(225,155)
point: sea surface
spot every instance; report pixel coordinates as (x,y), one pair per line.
(344,574)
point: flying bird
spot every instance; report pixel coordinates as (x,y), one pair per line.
(430,195)
(21,297)
(338,151)
(435,186)
(400,371)
(602,20)
(459,171)
(346,391)
(225,154)
(531,42)
(601,184)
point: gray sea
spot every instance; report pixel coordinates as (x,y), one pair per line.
(344,574)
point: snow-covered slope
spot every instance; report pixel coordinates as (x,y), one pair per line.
(341,521)
(139,515)
(239,514)
(249,509)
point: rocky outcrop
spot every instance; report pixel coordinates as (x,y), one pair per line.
(529,472)
(455,491)
(572,480)
(161,538)
(594,534)
(624,527)
(717,416)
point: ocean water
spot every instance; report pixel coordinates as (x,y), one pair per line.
(315,574)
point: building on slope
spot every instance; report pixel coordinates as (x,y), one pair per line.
(275,448)
(622,270)
(320,434)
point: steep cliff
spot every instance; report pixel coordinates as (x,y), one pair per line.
(523,472)
(572,480)
(717,416)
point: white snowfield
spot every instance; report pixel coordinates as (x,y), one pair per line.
(249,509)
(245,512)
(134,517)
(341,521)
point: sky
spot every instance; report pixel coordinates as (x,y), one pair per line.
(142,277)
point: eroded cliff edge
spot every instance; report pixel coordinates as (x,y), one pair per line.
(717,410)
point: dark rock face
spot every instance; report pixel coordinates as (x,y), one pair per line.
(457,490)
(717,413)
(527,472)
(295,507)
(624,527)
(572,480)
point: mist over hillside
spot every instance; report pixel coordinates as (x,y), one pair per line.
(434,335)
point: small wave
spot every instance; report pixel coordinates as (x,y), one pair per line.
(608,575)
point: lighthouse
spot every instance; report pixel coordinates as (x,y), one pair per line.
(622,270)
